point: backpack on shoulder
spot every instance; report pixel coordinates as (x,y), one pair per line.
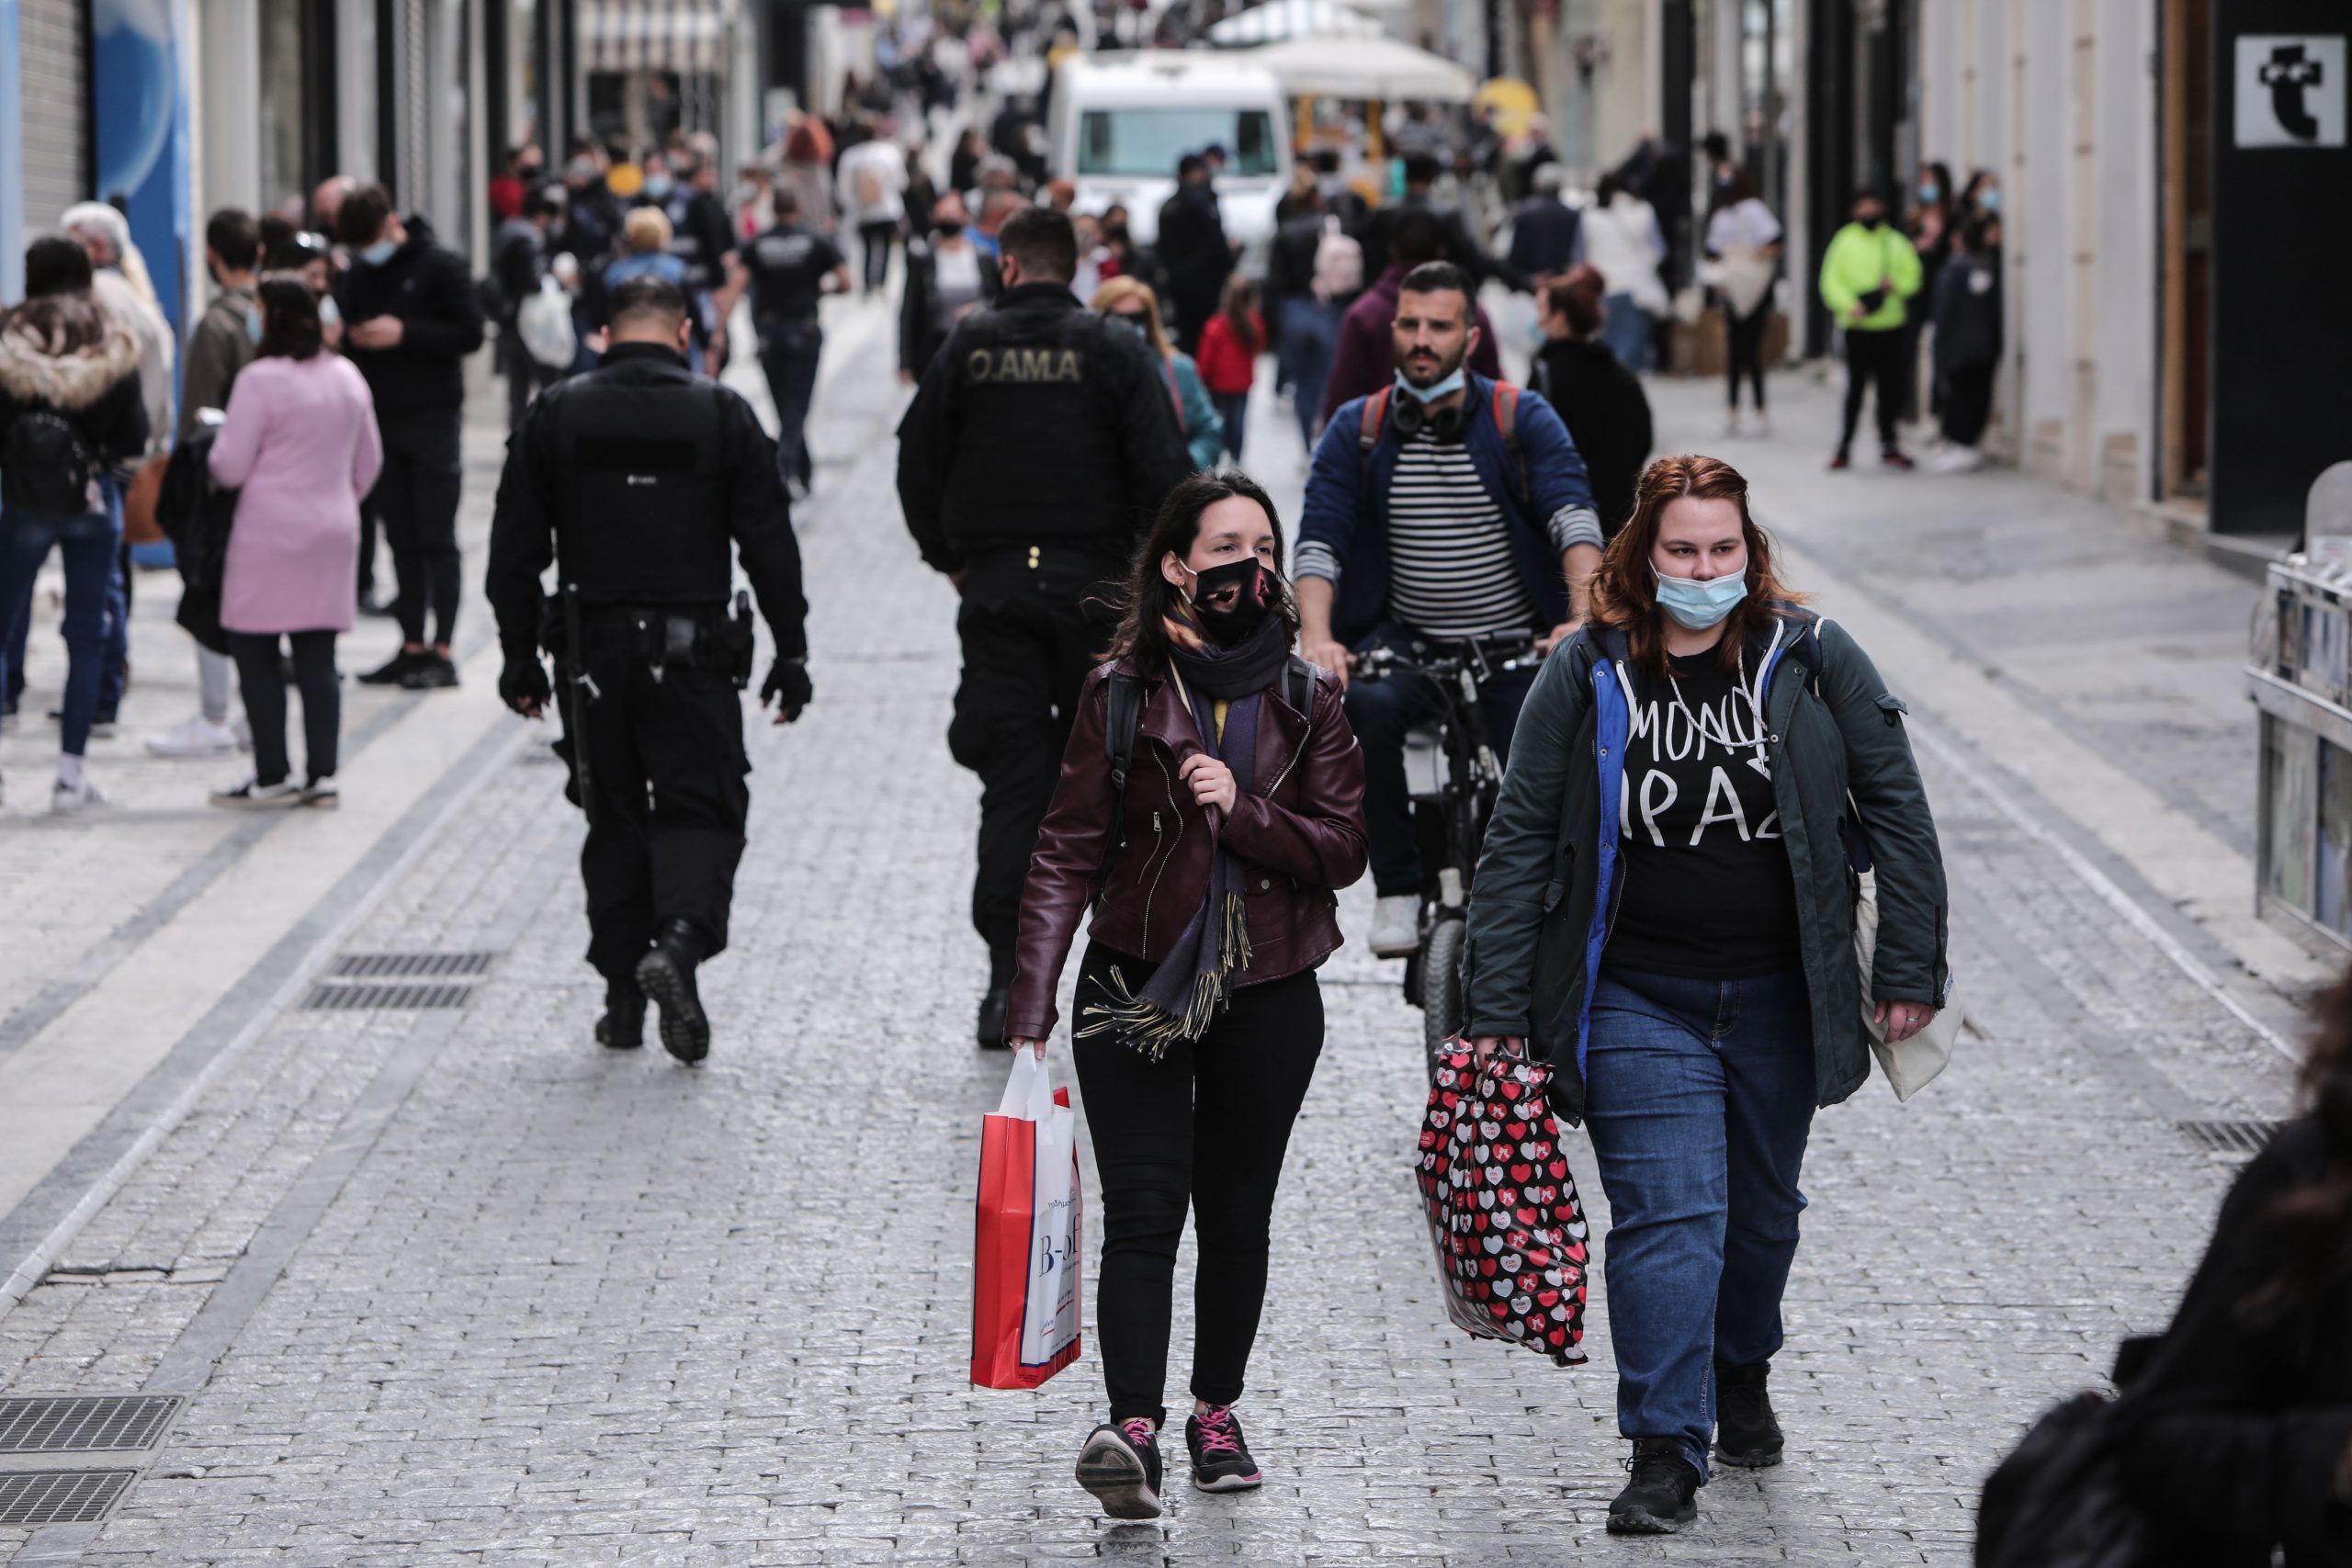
(1123,697)
(45,467)
(1506,412)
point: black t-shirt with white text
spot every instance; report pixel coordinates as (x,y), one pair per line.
(788,265)
(1708,891)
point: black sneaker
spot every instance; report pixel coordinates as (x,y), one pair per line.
(1221,1461)
(1120,1464)
(667,975)
(990,1030)
(623,1026)
(430,673)
(1662,1496)
(393,672)
(1746,1434)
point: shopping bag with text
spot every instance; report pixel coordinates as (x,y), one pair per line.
(1027,1242)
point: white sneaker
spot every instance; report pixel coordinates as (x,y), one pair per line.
(1957,460)
(1396,925)
(200,737)
(66,798)
(252,796)
(321,794)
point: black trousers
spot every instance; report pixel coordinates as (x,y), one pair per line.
(1204,1128)
(666,761)
(526,376)
(1874,359)
(1744,336)
(875,240)
(416,498)
(1028,644)
(789,350)
(261,682)
(1968,404)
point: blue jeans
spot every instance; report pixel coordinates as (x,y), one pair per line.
(1627,331)
(1307,340)
(92,546)
(1699,1095)
(1233,408)
(1382,712)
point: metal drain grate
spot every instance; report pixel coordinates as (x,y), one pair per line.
(2231,1137)
(362,996)
(410,965)
(60,1497)
(82,1424)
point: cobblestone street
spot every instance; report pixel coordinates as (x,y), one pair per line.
(449,1285)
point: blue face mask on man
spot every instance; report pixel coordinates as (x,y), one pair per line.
(1434,390)
(252,324)
(659,185)
(1697,604)
(379,254)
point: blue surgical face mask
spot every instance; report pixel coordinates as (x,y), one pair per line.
(1436,390)
(253,324)
(1697,605)
(1930,191)
(659,185)
(1989,198)
(329,314)
(379,254)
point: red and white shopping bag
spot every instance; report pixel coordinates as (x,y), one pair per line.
(1026,1245)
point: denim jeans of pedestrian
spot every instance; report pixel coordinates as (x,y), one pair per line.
(1699,1096)
(15,629)
(1233,408)
(1308,339)
(1382,712)
(1627,331)
(91,545)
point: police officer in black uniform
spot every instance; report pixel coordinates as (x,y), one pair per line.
(634,479)
(1037,451)
(787,268)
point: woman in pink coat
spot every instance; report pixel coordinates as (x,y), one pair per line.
(301,445)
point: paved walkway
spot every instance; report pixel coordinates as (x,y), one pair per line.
(451,1286)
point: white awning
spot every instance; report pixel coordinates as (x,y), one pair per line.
(1277,19)
(686,36)
(1364,68)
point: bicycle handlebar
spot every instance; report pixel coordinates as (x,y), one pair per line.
(1493,654)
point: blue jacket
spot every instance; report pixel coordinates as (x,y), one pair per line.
(1343,526)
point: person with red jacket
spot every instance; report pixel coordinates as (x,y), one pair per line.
(1230,345)
(1211,870)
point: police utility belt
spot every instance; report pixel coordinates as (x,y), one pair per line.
(704,638)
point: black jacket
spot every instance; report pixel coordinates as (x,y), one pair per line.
(1038,423)
(1290,263)
(1461,246)
(1543,236)
(2240,1424)
(420,380)
(639,475)
(1608,417)
(1968,313)
(1191,241)
(921,330)
(94,389)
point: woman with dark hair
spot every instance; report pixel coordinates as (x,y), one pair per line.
(72,414)
(300,447)
(1664,911)
(1599,400)
(1210,868)
(2240,1433)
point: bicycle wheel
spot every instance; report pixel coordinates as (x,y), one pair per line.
(1442,1015)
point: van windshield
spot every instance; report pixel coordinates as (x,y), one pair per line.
(1149,141)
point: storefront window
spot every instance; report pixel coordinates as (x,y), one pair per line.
(283,109)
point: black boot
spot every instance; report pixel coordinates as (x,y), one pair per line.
(1661,1498)
(995,1003)
(1746,1434)
(623,1026)
(667,975)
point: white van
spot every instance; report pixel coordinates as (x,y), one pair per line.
(1122,120)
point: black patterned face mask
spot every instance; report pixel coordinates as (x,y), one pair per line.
(1231,600)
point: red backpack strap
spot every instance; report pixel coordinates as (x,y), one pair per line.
(1506,412)
(1375,414)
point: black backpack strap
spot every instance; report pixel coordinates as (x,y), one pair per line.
(1123,694)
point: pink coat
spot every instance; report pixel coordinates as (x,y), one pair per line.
(300,444)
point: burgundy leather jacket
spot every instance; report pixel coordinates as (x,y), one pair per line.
(1299,836)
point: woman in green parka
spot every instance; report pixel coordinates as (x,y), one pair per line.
(1689,971)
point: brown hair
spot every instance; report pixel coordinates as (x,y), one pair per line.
(1624,591)
(1143,601)
(1576,294)
(2312,1222)
(1239,308)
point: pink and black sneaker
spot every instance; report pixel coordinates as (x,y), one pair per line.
(1221,1461)
(1120,1464)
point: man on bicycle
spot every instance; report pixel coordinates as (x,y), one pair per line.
(1443,506)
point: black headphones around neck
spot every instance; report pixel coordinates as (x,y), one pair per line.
(1446,424)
